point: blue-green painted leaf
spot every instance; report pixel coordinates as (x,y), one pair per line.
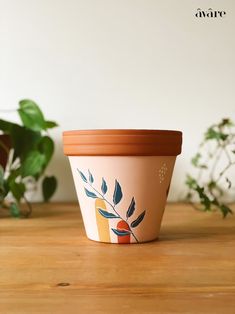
(117,196)
(121,232)
(104,187)
(138,220)
(107,214)
(131,208)
(82,176)
(90,194)
(91,179)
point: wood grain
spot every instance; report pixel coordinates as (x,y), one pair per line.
(49,266)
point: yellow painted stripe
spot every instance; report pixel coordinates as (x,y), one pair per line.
(102,222)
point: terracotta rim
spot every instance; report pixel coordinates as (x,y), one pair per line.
(122,143)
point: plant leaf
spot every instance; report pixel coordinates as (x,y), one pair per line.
(117,196)
(191,182)
(91,179)
(204,199)
(33,164)
(226,122)
(14,210)
(82,176)
(121,232)
(106,214)
(225,210)
(13,175)
(49,185)
(50,124)
(136,222)
(104,187)
(131,208)
(195,160)
(31,115)
(6,126)
(212,134)
(90,194)
(17,189)
(23,147)
(46,147)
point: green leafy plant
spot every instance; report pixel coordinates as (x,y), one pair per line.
(25,151)
(213,162)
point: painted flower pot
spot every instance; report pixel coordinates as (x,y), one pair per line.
(122,179)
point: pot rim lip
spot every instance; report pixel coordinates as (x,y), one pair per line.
(121,132)
(122,142)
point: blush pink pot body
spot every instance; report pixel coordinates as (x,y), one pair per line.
(144,180)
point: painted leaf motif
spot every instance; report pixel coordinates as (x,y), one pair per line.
(138,220)
(121,232)
(106,214)
(90,194)
(117,196)
(131,208)
(91,179)
(104,187)
(82,176)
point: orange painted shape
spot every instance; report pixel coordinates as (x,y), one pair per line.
(102,222)
(123,225)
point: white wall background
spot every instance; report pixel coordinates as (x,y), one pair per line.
(119,64)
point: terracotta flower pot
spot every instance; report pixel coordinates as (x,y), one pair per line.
(122,179)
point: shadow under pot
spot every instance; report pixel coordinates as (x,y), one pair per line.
(122,179)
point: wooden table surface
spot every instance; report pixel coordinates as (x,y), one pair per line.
(49,266)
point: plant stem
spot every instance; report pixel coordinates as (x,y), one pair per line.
(29,208)
(217,158)
(230,164)
(227,154)
(113,207)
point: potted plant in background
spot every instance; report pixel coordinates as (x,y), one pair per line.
(213,162)
(25,151)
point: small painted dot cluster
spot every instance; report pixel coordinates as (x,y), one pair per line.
(162,172)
